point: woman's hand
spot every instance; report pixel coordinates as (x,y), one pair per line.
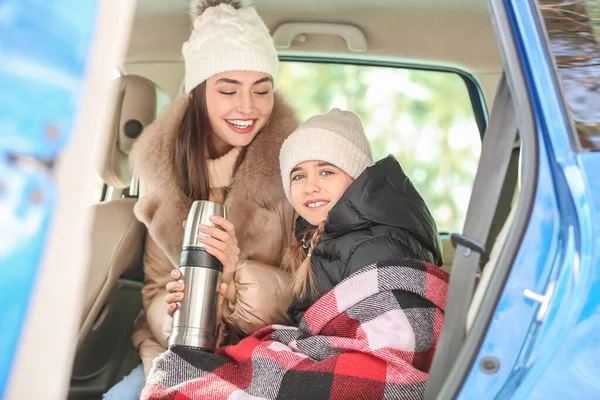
(222,244)
(176,291)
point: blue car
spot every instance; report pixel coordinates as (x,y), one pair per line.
(492,108)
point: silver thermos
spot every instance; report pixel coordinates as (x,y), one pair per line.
(195,320)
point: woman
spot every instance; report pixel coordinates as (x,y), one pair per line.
(219,141)
(369,303)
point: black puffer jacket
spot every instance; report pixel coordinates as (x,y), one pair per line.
(381,216)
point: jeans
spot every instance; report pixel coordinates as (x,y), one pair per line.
(129,388)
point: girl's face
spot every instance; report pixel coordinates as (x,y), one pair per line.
(315,188)
(239,104)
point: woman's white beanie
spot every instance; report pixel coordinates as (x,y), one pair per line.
(336,137)
(227,37)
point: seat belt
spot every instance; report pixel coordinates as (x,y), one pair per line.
(471,253)
(506,196)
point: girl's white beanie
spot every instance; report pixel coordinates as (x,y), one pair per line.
(336,137)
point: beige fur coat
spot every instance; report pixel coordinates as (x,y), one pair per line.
(257,206)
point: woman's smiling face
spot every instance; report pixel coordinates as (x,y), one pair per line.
(316,186)
(239,104)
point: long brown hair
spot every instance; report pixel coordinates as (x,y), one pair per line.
(299,264)
(194,147)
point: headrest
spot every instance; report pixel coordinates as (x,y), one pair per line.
(135,108)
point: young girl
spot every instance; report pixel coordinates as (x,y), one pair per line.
(368,304)
(353,213)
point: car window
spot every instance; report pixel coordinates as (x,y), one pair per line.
(574,31)
(423,117)
(162,100)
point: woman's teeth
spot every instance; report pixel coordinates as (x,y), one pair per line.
(240,123)
(317,204)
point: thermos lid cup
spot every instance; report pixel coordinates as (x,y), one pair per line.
(200,214)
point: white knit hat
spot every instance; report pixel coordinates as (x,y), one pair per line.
(336,137)
(227,37)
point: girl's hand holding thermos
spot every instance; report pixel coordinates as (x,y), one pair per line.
(176,288)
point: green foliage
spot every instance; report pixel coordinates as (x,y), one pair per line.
(424,118)
(573,28)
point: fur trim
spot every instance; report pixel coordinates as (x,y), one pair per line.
(256,188)
(197,7)
(255,191)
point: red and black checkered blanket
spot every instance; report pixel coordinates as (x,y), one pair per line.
(372,337)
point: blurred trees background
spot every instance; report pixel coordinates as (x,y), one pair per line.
(424,118)
(574,30)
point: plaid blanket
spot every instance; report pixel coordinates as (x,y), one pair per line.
(372,337)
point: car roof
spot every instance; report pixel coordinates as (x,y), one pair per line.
(450,33)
